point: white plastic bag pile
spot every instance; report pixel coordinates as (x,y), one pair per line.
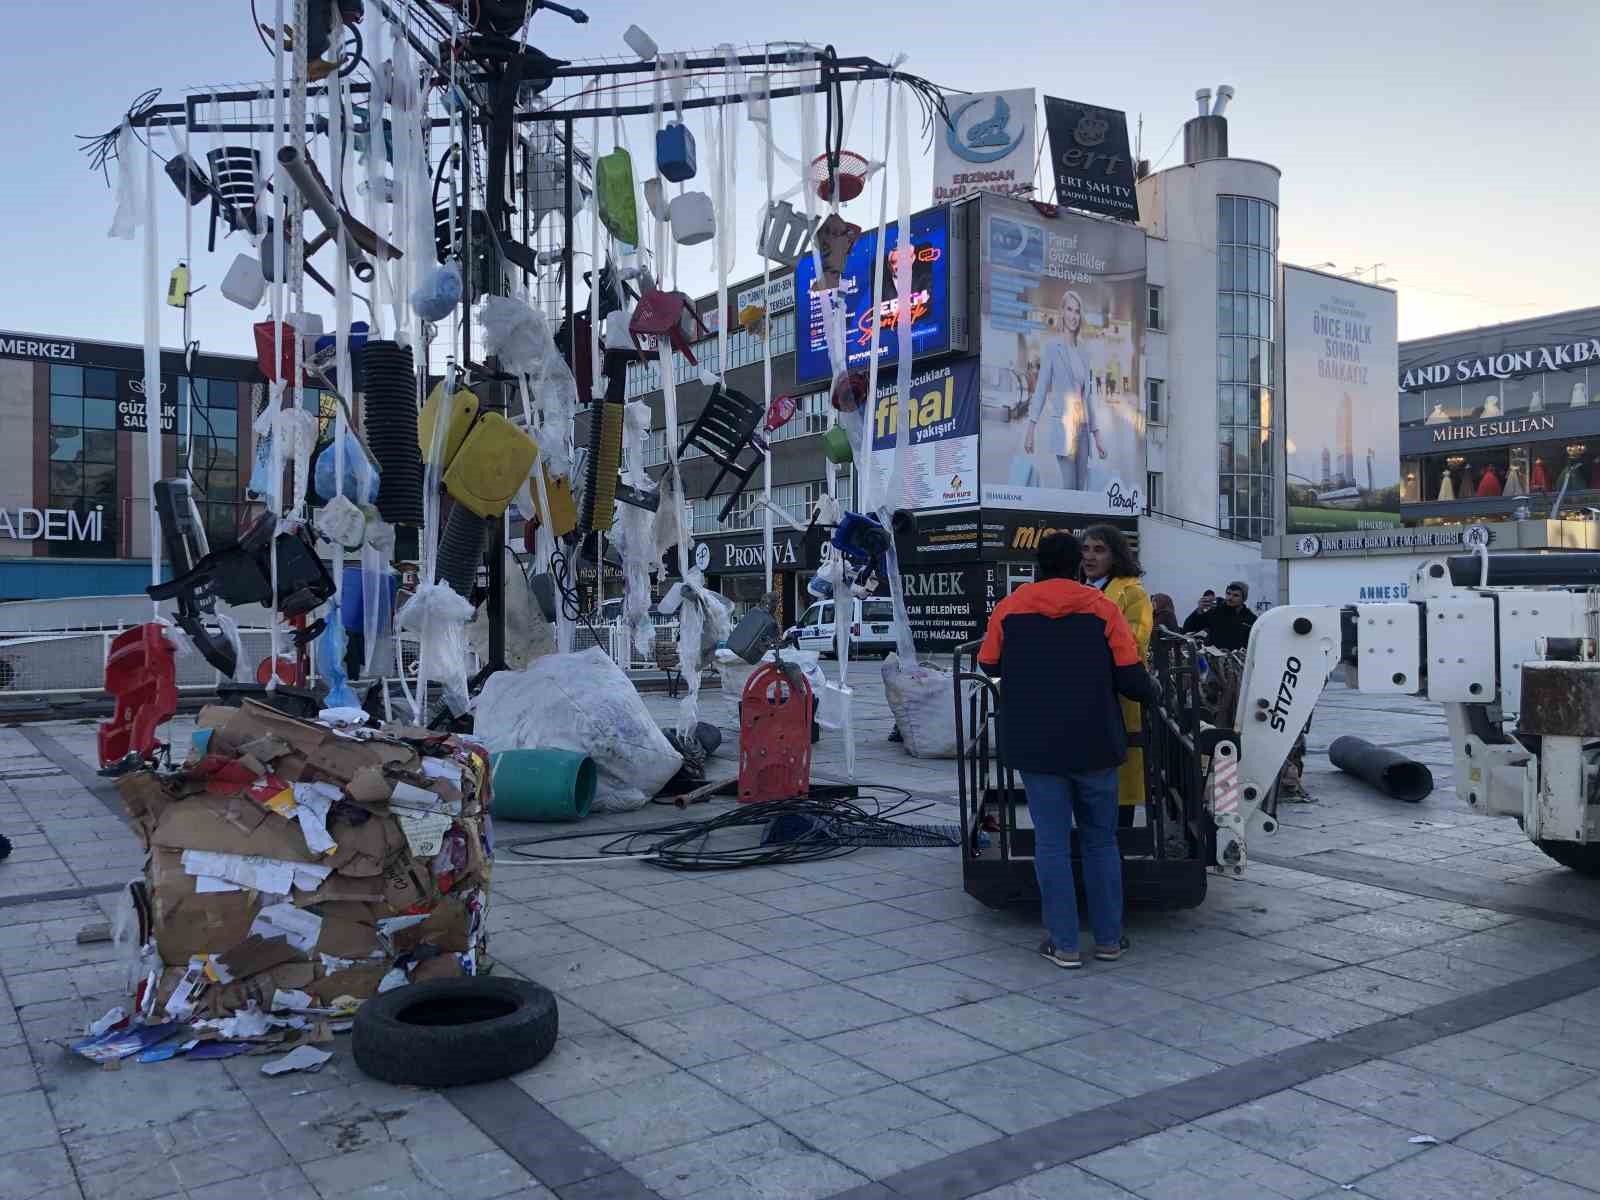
(581,702)
(922,699)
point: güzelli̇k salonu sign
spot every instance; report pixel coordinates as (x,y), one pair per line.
(1505,364)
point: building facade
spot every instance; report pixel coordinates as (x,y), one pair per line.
(74,501)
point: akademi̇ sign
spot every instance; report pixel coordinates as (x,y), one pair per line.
(52,524)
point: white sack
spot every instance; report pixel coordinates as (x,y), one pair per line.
(581,702)
(922,699)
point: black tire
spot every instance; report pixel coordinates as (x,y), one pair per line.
(1582,858)
(449,1032)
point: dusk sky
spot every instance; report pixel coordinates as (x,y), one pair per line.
(1450,145)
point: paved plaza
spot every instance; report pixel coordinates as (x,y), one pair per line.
(1399,1002)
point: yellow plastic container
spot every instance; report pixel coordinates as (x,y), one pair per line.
(462,409)
(563,509)
(493,461)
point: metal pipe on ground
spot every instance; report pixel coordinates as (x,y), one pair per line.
(1394,775)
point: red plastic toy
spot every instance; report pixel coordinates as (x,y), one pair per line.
(142,675)
(774,736)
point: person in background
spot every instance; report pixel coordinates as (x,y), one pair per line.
(1165,613)
(1063,652)
(1110,564)
(1226,625)
(1207,601)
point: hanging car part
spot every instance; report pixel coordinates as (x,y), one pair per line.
(835,239)
(493,462)
(241,573)
(359,240)
(188,178)
(725,429)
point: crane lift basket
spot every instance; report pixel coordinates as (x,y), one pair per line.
(1165,858)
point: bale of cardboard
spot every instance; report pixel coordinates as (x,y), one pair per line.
(298,868)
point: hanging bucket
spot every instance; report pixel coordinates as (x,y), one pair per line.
(836,445)
(542,785)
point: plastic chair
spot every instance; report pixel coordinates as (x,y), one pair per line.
(235,171)
(142,674)
(725,428)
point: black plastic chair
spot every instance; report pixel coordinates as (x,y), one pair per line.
(725,429)
(235,171)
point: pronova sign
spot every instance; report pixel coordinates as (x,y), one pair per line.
(1557,356)
(52,524)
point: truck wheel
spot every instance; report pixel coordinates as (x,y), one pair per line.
(1578,856)
(448,1032)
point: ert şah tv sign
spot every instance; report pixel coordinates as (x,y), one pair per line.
(1089,152)
(988,146)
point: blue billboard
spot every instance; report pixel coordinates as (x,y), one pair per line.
(930,300)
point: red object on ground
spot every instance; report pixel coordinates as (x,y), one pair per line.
(774,736)
(142,675)
(289,672)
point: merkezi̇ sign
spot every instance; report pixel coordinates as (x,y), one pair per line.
(21,347)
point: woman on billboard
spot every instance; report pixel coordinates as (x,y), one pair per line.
(1065,395)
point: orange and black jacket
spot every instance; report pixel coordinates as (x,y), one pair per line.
(1063,652)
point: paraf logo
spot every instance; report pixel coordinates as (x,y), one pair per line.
(985,140)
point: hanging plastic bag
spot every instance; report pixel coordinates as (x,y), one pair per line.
(436,297)
(331,648)
(439,616)
(360,482)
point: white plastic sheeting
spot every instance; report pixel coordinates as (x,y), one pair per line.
(581,702)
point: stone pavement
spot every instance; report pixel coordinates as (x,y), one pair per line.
(1399,1003)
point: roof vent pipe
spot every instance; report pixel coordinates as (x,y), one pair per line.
(1224,94)
(1203,99)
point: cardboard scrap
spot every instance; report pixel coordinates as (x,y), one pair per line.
(300,927)
(251,956)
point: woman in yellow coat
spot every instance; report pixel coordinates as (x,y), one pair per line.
(1110,564)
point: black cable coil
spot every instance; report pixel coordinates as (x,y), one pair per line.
(461,549)
(389,420)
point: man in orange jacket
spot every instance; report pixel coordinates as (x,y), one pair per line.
(1063,653)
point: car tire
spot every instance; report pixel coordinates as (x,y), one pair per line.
(450,1032)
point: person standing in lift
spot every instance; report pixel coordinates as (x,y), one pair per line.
(1064,653)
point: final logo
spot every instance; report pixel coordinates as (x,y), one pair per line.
(985,139)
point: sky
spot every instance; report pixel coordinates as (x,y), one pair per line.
(1453,146)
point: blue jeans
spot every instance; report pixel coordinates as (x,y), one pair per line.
(1054,802)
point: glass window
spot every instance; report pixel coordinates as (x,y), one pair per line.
(1225,219)
(1155,401)
(221,393)
(99,382)
(100,414)
(1241,271)
(1225,267)
(99,445)
(1153,491)
(224,422)
(66,381)
(66,443)
(1154,315)
(100,482)
(66,477)
(1563,389)
(1224,313)
(66,410)
(1255,235)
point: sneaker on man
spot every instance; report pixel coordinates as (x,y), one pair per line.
(1111,953)
(1066,959)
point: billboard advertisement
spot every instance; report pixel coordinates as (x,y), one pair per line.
(1089,155)
(1342,419)
(930,300)
(988,146)
(940,469)
(1063,305)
